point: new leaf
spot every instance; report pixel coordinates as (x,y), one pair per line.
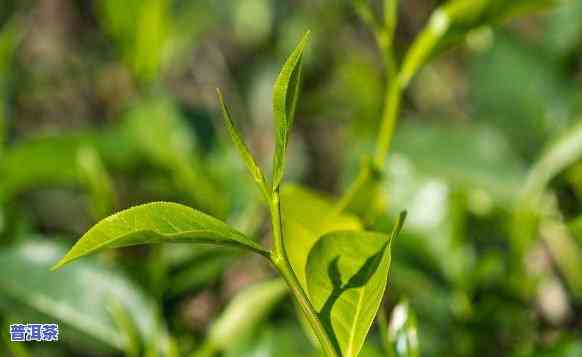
(285,94)
(157,222)
(347,272)
(243,150)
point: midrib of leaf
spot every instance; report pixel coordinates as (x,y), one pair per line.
(356,317)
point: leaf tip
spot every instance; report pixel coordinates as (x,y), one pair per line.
(58,265)
(399,223)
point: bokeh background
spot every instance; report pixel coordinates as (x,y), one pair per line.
(108,104)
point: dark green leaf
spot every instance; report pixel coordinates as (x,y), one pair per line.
(347,273)
(157,222)
(285,95)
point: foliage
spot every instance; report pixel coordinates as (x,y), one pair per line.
(467,115)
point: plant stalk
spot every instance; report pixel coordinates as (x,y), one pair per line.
(280,261)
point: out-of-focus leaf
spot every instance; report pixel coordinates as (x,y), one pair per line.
(141,30)
(97,181)
(52,160)
(274,340)
(79,298)
(347,273)
(365,197)
(10,36)
(563,34)
(244,312)
(560,154)
(205,269)
(160,133)
(285,96)
(470,157)
(576,228)
(566,253)
(565,347)
(308,215)
(244,151)
(402,334)
(151,40)
(454,20)
(157,222)
(532,105)
(127,328)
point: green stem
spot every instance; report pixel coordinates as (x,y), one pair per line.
(399,78)
(281,263)
(389,117)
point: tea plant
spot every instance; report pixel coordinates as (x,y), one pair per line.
(340,286)
(335,269)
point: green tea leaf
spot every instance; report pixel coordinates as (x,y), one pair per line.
(402,333)
(285,95)
(243,150)
(157,222)
(347,273)
(307,215)
(244,312)
(32,293)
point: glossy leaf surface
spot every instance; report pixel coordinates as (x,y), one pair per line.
(347,273)
(157,222)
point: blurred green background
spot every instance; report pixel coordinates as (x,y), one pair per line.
(108,104)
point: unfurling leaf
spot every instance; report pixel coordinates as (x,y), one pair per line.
(243,150)
(285,94)
(347,272)
(157,222)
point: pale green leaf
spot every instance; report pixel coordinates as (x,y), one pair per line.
(243,150)
(32,293)
(285,95)
(347,274)
(157,222)
(244,312)
(307,215)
